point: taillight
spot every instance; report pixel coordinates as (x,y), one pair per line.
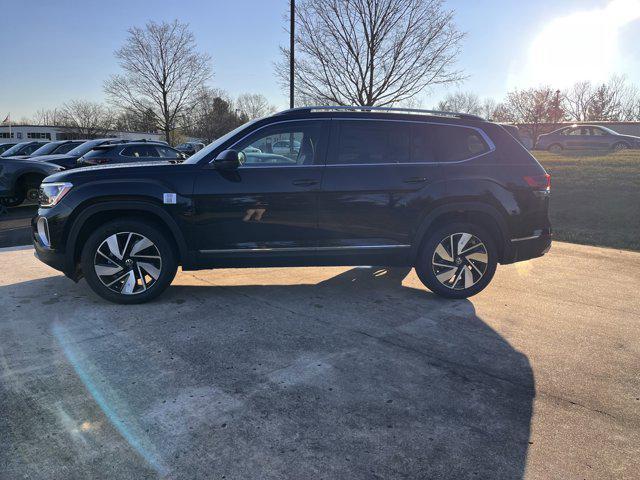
(539,182)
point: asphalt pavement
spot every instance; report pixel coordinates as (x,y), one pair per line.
(335,373)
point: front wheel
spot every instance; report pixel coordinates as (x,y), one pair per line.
(618,147)
(457,260)
(128,261)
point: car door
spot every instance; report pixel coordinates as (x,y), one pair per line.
(381,178)
(577,138)
(600,139)
(268,206)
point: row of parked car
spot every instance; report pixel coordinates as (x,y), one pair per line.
(24,165)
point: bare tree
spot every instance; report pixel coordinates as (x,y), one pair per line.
(462,102)
(213,115)
(162,72)
(577,101)
(371,52)
(611,101)
(85,119)
(50,117)
(533,107)
(254,105)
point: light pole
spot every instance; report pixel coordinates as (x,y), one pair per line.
(292,29)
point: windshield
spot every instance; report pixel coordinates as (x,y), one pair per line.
(14,150)
(84,148)
(216,143)
(46,149)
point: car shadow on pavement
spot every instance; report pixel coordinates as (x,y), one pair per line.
(356,376)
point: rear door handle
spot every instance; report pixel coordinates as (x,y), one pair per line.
(305,182)
(415,180)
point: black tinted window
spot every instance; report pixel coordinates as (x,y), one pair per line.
(65,148)
(167,152)
(370,142)
(139,151)
(458,143)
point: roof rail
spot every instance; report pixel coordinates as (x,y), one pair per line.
(338,108)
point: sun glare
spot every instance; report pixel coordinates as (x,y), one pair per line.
(579,46)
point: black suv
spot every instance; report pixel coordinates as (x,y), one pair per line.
(130,152)
(451,194)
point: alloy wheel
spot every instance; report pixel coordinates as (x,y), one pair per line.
(128,263)
(459,261)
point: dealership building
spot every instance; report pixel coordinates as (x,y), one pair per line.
(25,133)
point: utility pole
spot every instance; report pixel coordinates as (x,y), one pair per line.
(292,29)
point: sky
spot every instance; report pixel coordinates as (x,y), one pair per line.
(56,51)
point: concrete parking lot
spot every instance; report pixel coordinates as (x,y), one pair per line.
(325,373)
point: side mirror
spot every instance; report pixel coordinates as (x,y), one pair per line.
(229,160)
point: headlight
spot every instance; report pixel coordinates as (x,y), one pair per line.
(52,193)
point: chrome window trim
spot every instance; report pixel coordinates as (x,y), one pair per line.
(302,249)
(482,133)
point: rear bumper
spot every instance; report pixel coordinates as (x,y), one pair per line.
(521,249)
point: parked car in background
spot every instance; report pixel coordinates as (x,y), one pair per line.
(130,152)
(51,148)
(189,148)
(586,137)
(20,179)
(22,148)
(6,146)
(69,159)
(451,194)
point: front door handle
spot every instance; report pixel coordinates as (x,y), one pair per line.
(415,180)
(305,182)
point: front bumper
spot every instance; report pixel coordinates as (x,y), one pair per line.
(46,252)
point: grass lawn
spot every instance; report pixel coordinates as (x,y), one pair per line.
(595,197)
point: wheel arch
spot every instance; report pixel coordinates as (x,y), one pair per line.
(105,211)
(480,214)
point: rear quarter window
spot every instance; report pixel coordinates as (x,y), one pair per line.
(454,143)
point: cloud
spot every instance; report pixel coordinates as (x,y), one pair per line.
(581,46)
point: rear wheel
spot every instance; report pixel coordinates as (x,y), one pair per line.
(128,261)
(458,260)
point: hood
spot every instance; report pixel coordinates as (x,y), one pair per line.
(112,170)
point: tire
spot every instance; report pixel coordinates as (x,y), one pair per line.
(125,270)
(618,147)
(555,148)
(468,276)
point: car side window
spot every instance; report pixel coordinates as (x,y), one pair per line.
(456,143)
(166,152)
(65,148)
(598,132)
(138,151)
(283,144)
(575,131)
(368,142)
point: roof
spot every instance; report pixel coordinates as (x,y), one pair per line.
(378,110)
